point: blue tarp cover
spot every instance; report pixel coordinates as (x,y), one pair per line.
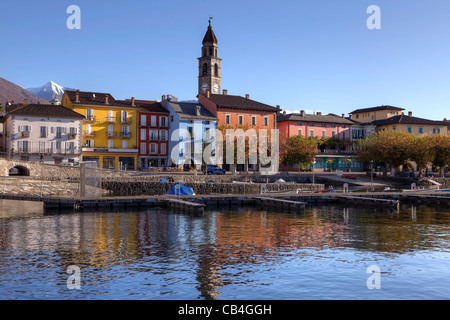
(184,191)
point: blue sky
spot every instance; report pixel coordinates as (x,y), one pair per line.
(303,55)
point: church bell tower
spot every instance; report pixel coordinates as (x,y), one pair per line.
(209,71)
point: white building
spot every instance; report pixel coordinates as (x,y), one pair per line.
(192,128)
(49,133)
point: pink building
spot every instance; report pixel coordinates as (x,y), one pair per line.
(320,127)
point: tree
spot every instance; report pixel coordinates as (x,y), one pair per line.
(298,149)
(421,151)
(390,147)
(441,147)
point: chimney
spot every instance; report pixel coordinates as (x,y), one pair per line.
(208,93)
(247,96)
(284,112)
(25,102)
(107,99)
(409,113)
(133,102)
(198,110)
(343,115)
(225,92)
(163,98)
(302,113)
(77,96)
(319,113)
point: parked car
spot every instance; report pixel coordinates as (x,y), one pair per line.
(213,169)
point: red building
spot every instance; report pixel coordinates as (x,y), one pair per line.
(153,135)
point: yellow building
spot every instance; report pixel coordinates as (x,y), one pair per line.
(408,123)
(109,129)
(376,113)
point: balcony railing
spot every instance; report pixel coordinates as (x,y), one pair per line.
(25,134)
(71,136)
(45,150)
(90,117)
(125,134)
(125,120)
(89,135)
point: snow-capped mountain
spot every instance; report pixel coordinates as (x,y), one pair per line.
(49,91)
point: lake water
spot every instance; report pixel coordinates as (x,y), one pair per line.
(326,253)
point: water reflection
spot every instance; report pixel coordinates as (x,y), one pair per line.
(157,254)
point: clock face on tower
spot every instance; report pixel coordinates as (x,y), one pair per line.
(216,88)
(204,87)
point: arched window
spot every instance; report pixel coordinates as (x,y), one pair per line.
(216,70)
(205,69)
(210,51)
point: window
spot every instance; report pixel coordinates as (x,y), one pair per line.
(253,120)
(124,144)
(153,148)
(43,131)
(299,124)
(227,119)
(124,116)
(58,132)
(153,135)
(299,132)
(110,144)
(311,124)
(323,125)
(143,120)
(207,134)
(171,118)
(70,147)
(409,129)
(205,69)
(436,130)
(163,148)
(153,121)
(90,114)
(110,131)
(333,134)
(420,130)
(163,135)
(343,135)
(163,121)
(323,134)
(311,133)
(266,121)
(88,128)
(89,143)
(143,148)
(191,133)
(111,116)
(143,134)
(240,119)
(333,125)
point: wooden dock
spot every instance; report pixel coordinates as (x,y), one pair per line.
(184,206)
(283,204)
(368,201)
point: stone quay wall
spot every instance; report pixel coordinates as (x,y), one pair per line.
(137,188)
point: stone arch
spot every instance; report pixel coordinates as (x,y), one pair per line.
(19,170)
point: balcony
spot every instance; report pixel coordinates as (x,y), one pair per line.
(111,120)
(125,120)
(89,135)
(125,134)
(71,136)
(90,118)
(25,134)
(46,150)
(111,135)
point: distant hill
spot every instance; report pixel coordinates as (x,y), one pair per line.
(49,91)
(12,92)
